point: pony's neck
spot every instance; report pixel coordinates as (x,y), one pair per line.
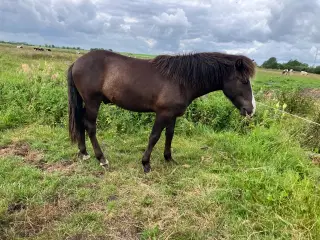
(198,92)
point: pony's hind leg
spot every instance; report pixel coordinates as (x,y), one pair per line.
(90,123)
(83,154)
(169,136)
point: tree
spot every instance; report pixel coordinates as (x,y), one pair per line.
(316,70)
(271,63)
(92,49)
(296,65)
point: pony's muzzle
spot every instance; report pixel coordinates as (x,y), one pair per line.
(246,112)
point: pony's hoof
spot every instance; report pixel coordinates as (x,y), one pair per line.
(146,168)
(85,157)
(105,165)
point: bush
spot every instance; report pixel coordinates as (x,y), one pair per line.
(310,136)
(297,103)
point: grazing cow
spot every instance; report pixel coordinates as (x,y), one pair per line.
(19,46)
(48,49)
(38,49)
(303,73)
(78,52)
(291,71)
(285,72)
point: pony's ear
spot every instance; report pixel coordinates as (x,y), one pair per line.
(239,64)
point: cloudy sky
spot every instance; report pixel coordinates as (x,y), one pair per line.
(286,29)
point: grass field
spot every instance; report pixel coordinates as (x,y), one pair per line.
(235,178)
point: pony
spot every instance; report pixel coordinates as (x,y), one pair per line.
(165,85)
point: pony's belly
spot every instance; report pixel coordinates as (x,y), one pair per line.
(132,106)
(131,93)
(131,102)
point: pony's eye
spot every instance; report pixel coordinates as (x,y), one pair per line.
(244,81)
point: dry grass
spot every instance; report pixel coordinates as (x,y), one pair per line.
(36,158)
(30,221)
(23,150)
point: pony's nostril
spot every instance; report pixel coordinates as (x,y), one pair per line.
(243,112)
(247,112)
(250,112)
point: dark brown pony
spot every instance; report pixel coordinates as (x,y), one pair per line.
(165,85)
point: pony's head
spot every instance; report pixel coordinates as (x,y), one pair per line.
(238,86)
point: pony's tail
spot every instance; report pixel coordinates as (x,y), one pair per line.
(75,109)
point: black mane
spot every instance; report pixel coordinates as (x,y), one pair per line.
(201,69)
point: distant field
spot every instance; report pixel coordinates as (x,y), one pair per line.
(274,79)
(235,178)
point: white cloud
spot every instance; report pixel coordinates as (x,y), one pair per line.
(130,20)
(149,41)
(245,51)
(125,27)
(176,18)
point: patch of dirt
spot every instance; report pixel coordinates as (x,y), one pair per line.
(99,173)
(112,198)
(54,76)
(83,236)
(123,227)
(16,207)
(315,158)
(36,158)
(268,95)
(36,219)
(311,92)
(67,167)
(23,150)
(25,68)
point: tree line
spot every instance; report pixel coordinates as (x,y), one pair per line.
(46,45)
(50,46)
(296,65)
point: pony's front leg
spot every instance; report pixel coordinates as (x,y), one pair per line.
(160,123)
